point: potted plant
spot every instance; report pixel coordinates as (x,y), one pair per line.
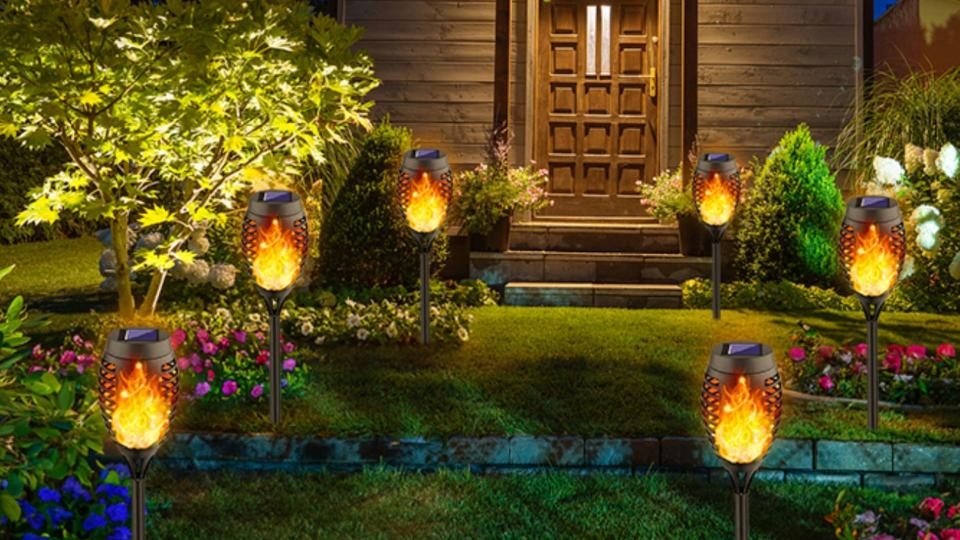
(669,202)
(487,196)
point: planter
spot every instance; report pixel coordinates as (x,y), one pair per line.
(497,240)
(694,237)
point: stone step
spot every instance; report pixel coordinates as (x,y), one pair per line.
(622,295)
(594,237)
(582,267)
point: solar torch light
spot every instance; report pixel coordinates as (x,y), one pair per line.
(873,244)
(740,404)
(274,241)
(138,383)
(425,188)
(716,194)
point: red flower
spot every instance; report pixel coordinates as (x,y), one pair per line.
(932,505)
(892,362)
(826,383)
(825,351)
(946,350)
(862,349)
(953,510)
(950,534)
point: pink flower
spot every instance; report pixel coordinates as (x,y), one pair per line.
(35,369)
(916,351)
(183,362)
(825,351)
(859,367)
(209,347)
(950,534)
(256,391)
(862,349)
(953,510)
(178,337)
(289,364)
(946,350)
(201,389)
(263,357)
(202,335)
(892,362)
(84,361)
(210,375)
(196,363)
(68,357)
(37,352)
(826,383)
(260,336)
(932,505)
(77,340)
(224,342)
(797,354)
(288,347)
(927,535)
(240,336)
(228,388)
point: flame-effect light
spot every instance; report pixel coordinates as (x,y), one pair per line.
(426,206)
(276,264)
(142,414)
(745,429)
(875,263)
(717,202)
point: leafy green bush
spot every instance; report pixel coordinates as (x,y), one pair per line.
(788,228)
(779,296)
(366,242)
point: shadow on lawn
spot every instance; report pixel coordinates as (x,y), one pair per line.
(843,327)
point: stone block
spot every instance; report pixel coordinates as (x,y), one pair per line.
(926,458)
(854,456)
(899,482)
(622,452)
(549,450)
(790,454)
(846,479)
(476,451)
(687,453)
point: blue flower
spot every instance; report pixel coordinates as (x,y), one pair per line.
(117,512)
(58,515)
(94,521)
(120,469)
(120,533)
(48,495)
(111,490)
(34,518)
(31,536)
(73,488)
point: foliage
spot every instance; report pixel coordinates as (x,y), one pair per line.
(778,296)
(366,242)
(922,108)
(908,374)
(70,510)
(789,225)
(934,518)
(466,293)
(495,190)
(170,111)
(50,418)
(666,197)
(927,188)
(224,354)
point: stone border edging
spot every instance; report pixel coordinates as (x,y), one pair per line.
(871,464)
(794,395)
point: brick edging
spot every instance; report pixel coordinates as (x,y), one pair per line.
(879,464)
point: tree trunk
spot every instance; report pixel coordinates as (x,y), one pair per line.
(149,305)
(119,236)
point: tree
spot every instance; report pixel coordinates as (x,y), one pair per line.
(170,111)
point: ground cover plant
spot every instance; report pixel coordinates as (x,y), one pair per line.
(932,518)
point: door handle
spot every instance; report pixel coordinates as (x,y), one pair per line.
(652,90)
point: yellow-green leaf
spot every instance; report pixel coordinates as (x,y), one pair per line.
(8,130)
(234,143)
(155,215)
(90,98)
(185,257)
(152,259)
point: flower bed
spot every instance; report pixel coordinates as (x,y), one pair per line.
(913,374)
(932,519)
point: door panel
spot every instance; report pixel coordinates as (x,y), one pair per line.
(595,115)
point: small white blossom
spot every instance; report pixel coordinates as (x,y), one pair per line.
(353,320)
(392,330)
(362,334)
(306,328)
(909,267)
(320,340)
(254,317)
(463,334)
(955,266)
(222,275)
(947,161)
(888,171)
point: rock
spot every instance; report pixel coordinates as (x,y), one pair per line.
(108,263)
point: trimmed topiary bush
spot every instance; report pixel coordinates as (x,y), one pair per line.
(788,229)
(365,238)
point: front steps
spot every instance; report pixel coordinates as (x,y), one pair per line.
(590,263)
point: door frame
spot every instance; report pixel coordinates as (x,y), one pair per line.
(533,84)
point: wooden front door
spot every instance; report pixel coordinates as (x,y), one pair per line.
(596,104)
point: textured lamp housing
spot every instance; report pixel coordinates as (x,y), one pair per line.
(275,242)
(740,405)
(138,383)
(716,195)
(873,246)
(424,190)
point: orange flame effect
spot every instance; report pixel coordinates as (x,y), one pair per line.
(875,263)
(277,263)
(142,415)
(745,429)
(717,203)
(426,206)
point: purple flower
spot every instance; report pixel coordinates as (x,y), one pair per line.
(48,495)
(240,336)
(111,491)
(283,383)
(288,347)
(868,518)
(94,521)
(201,389)
(117,512)
(228,388)
(289,364)
(797,354)
(68,357)
(257,391)
(202,335)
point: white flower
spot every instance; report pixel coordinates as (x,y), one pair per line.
(306,328)
(928,241)
(223,313)
(320,340)
(912,157)
(362,334)
(888,171)
(955,266)
(909,266)
(197,272)
(947,161)
(928,221)
(254,317)
(463,334)
(903,378)
(222,275)
(353,320)
(392,330)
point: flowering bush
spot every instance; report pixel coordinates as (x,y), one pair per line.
(225,354)
(779,296)
(75,356)
(665,197)
(908,374)
(932,519)
(71,510)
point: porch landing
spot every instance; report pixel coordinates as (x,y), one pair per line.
(599,263)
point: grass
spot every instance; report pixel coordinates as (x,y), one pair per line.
(386,504)
(51,268)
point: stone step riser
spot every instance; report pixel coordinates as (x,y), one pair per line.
(546,296)
(554,267)
(570,240)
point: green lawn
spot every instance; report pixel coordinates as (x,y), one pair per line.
(51,268)
(383,504)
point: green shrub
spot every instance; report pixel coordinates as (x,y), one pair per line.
(366,242)
(779,296)
(788,229)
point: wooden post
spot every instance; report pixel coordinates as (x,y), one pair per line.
(688,83)
(501,66)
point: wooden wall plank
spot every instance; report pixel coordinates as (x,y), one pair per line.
(725,14)
(420,10)
(776,55)
(741,95)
